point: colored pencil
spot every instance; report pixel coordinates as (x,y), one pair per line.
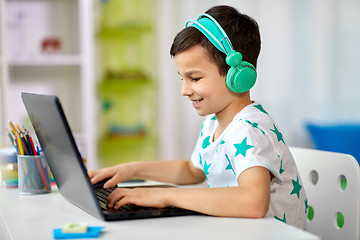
(26,149)
(35,172)
(16,147)
(32,145)
(12,128)
(10,136)
(19,144)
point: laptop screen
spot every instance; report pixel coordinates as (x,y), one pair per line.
(60,150)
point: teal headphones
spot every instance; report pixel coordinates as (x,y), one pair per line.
(241,76)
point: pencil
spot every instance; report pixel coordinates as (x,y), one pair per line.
(19,143)
(27,138)
(10,137)
(12,128)
(16,147)
(17,126)
(26,149)
(32,145)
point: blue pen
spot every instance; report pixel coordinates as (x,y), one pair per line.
(37,149)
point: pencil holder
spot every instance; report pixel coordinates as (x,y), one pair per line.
(34,174)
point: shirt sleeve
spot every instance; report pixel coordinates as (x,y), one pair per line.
(248,147)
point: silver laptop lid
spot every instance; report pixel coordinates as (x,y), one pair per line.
(60,150)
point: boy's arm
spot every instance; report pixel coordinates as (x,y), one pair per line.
(175,171)
(250,199)
(178,172)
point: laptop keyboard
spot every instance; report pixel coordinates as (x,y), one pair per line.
(131,211)
(102,195)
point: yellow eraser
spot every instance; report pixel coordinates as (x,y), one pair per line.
(75,228)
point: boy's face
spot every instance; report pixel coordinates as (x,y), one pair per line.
(202,82)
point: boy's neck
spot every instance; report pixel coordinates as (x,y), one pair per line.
(225,116)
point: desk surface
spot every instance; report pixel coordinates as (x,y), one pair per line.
(35,217)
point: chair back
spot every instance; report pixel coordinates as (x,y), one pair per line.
(331,182)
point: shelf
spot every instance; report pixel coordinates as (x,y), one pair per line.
(51,60)
(128,29)
(46,47)
(32,27)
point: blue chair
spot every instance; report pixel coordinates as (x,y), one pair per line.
(341,138)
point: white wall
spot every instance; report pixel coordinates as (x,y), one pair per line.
(307,69)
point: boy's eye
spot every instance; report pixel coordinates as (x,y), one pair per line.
(195,79)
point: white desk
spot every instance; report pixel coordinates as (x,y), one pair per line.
(35,217)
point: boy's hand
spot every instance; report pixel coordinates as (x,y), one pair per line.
(115,174)
(145,197)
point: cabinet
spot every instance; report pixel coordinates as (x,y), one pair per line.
(127,87)
(46,47)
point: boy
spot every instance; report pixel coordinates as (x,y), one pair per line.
(240,151)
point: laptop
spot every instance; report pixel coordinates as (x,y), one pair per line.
(65,162)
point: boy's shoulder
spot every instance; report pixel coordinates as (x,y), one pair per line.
(254,115)
(254,109)
(253,121)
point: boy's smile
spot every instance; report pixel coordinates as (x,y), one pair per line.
(196,103)
(202,82)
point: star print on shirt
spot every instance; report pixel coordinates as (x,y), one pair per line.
(206,142)
(306,205)
(242,147)
(278,134)
(297,187)
(255,125)
(283,220)
(260,108)
(206,169)
(221,143)
(200,161)
(281,169)
(229,166)
(213,118)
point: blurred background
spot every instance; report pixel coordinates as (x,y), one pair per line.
(109,63)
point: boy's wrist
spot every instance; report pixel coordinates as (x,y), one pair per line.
(135,169)
(169,196)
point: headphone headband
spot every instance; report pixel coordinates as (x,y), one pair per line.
(213,31)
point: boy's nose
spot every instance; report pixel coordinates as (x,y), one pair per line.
(186,89)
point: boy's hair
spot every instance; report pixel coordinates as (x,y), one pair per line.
(242,30)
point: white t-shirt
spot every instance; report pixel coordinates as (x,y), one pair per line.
(253,139)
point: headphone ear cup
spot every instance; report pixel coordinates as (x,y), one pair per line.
(241,78)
